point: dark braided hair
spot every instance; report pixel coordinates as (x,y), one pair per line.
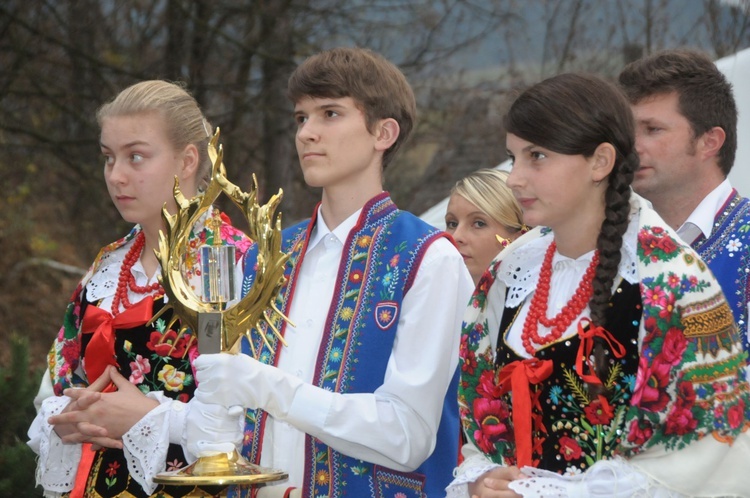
(573,114)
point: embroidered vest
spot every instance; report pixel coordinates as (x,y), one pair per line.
(380,260)
(727,253)
(570,428)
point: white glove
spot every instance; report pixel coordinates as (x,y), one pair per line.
(230,380)
(212,429)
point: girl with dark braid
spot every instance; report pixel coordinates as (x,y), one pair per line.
(598,355)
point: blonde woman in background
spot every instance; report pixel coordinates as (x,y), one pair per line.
(483,217)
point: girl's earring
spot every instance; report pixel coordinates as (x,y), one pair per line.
(503,241)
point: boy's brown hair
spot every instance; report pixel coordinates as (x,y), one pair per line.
(705,95)
(377,86)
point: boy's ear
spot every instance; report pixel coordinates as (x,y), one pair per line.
(386,133)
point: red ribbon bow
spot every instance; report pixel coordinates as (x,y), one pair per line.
(587,332)
(516,377)
(100,351)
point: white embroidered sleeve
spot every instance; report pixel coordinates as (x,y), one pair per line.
(474,465)
(58,462)
(146,443)
(614,478)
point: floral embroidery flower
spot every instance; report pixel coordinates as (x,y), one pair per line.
(470,362)
(393,263)
(174,465)
(112,469)
(638,433)
(555,394)
(71,350)
(569,448)
(490,415)
(355,276)
(364,241)
(735,415)
(321,478)
(168,344)
(385,315)
(138,368)
(655,297)
(651,384)
(734,245)
(599,411)
(172,378)
(346,313)
(486,386)
(674,346)
(667,309)
(673,280)
(336,355)
(387,279)
(680,420)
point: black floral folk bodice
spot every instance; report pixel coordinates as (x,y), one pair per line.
(571,429)
(151,366)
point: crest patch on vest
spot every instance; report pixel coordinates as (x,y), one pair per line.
(385,314)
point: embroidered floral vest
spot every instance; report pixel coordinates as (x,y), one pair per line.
(150,356)
(571,428)
(727,252)
(380,260)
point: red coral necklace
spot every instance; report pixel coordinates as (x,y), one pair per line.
(538,308)
(127,280)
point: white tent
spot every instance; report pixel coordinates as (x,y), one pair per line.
(737,70)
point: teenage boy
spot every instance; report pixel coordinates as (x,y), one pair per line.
(351,405)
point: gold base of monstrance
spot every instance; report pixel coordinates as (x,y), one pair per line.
(222,469)
(220,327)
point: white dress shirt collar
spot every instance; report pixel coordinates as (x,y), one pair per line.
(701,220)
(320,231)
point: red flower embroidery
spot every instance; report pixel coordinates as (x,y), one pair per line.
(112,469)
(569,448)
(486,386)
(599,411)
(491,415)
(667,245)
(470,362)
(163,347)
(686,393)
(355,276)
(651,384)
(674,346)
(71,350)
(680,420)
(736,415)
(638,434)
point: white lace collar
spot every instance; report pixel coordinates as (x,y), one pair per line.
(103,283)
(519,270)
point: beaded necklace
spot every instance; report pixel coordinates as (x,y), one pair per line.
(127,280)
(538,308)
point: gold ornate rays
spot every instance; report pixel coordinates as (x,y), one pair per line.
(258,305)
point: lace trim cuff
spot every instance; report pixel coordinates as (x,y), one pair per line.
(146,443)
(58,462)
